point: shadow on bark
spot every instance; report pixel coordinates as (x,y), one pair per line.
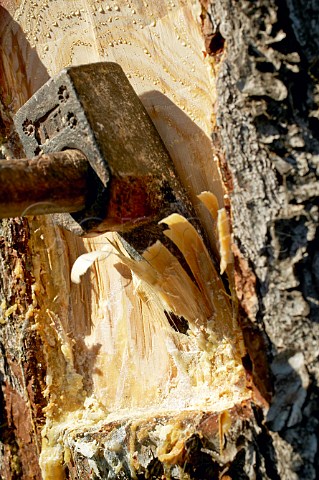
(268,123)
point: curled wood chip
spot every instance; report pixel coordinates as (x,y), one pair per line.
(191,245)
(84,262)
(211,203)
(226,255)
(221,228)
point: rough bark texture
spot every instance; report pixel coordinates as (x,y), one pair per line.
(22,362)
(267,124)
(264,65)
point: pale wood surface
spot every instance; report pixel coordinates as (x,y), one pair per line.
(109,346)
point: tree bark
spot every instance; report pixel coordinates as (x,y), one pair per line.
(267,91)
(131,375)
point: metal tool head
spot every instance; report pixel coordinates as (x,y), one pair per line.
(94,109)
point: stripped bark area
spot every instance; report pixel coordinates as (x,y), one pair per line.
(152,368)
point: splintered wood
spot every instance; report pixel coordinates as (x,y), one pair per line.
(110,343)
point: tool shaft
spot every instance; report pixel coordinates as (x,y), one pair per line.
(48,183)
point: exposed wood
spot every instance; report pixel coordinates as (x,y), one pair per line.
(110,350)
(125,394)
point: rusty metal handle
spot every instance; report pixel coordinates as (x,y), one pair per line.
(49,183)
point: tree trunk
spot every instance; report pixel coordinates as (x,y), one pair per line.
(151,368)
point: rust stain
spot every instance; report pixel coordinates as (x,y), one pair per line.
(133,199)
